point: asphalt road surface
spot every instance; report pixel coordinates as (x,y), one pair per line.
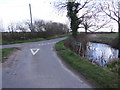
(36,65)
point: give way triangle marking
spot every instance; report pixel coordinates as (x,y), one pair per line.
(34,50)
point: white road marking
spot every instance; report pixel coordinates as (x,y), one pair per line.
(42,44)
(34,50)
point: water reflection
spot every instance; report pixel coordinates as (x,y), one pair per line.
(97,53)
(100,54)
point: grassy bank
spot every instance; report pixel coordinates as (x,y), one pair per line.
(32,40)
(113,66)
(5,52)
(97,75)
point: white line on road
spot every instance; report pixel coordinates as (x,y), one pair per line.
(34,50)
(42,44)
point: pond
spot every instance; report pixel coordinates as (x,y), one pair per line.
(97,53)
(100,54)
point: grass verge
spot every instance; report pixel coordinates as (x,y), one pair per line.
(99,77)
(114,66)
(32,40)
(5,52)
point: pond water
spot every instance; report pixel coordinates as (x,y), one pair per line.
(97,53)
(100,54)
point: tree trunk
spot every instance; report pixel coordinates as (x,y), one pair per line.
(74,27)
(86,30)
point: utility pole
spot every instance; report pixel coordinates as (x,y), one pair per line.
(31,26)
(119,18)
(119,27)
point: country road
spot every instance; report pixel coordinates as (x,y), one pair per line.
(28,68)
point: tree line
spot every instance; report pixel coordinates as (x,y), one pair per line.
(41,29)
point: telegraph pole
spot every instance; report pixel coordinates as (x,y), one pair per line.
(119,18)
(119,27)
(31,26)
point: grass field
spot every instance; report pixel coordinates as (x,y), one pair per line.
(5,52)
(100,77)
(111,35)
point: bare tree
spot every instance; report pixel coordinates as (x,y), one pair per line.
(12,27)
(93,20)
(85,14)
(73,9)
(50,28)
(39,25)
(112,9)
(53,28)
(21,27)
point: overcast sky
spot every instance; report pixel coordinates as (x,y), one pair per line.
(18,10)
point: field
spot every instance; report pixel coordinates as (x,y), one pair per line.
(111,35)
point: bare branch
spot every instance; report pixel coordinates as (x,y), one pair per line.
(86,2)
(110,12)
